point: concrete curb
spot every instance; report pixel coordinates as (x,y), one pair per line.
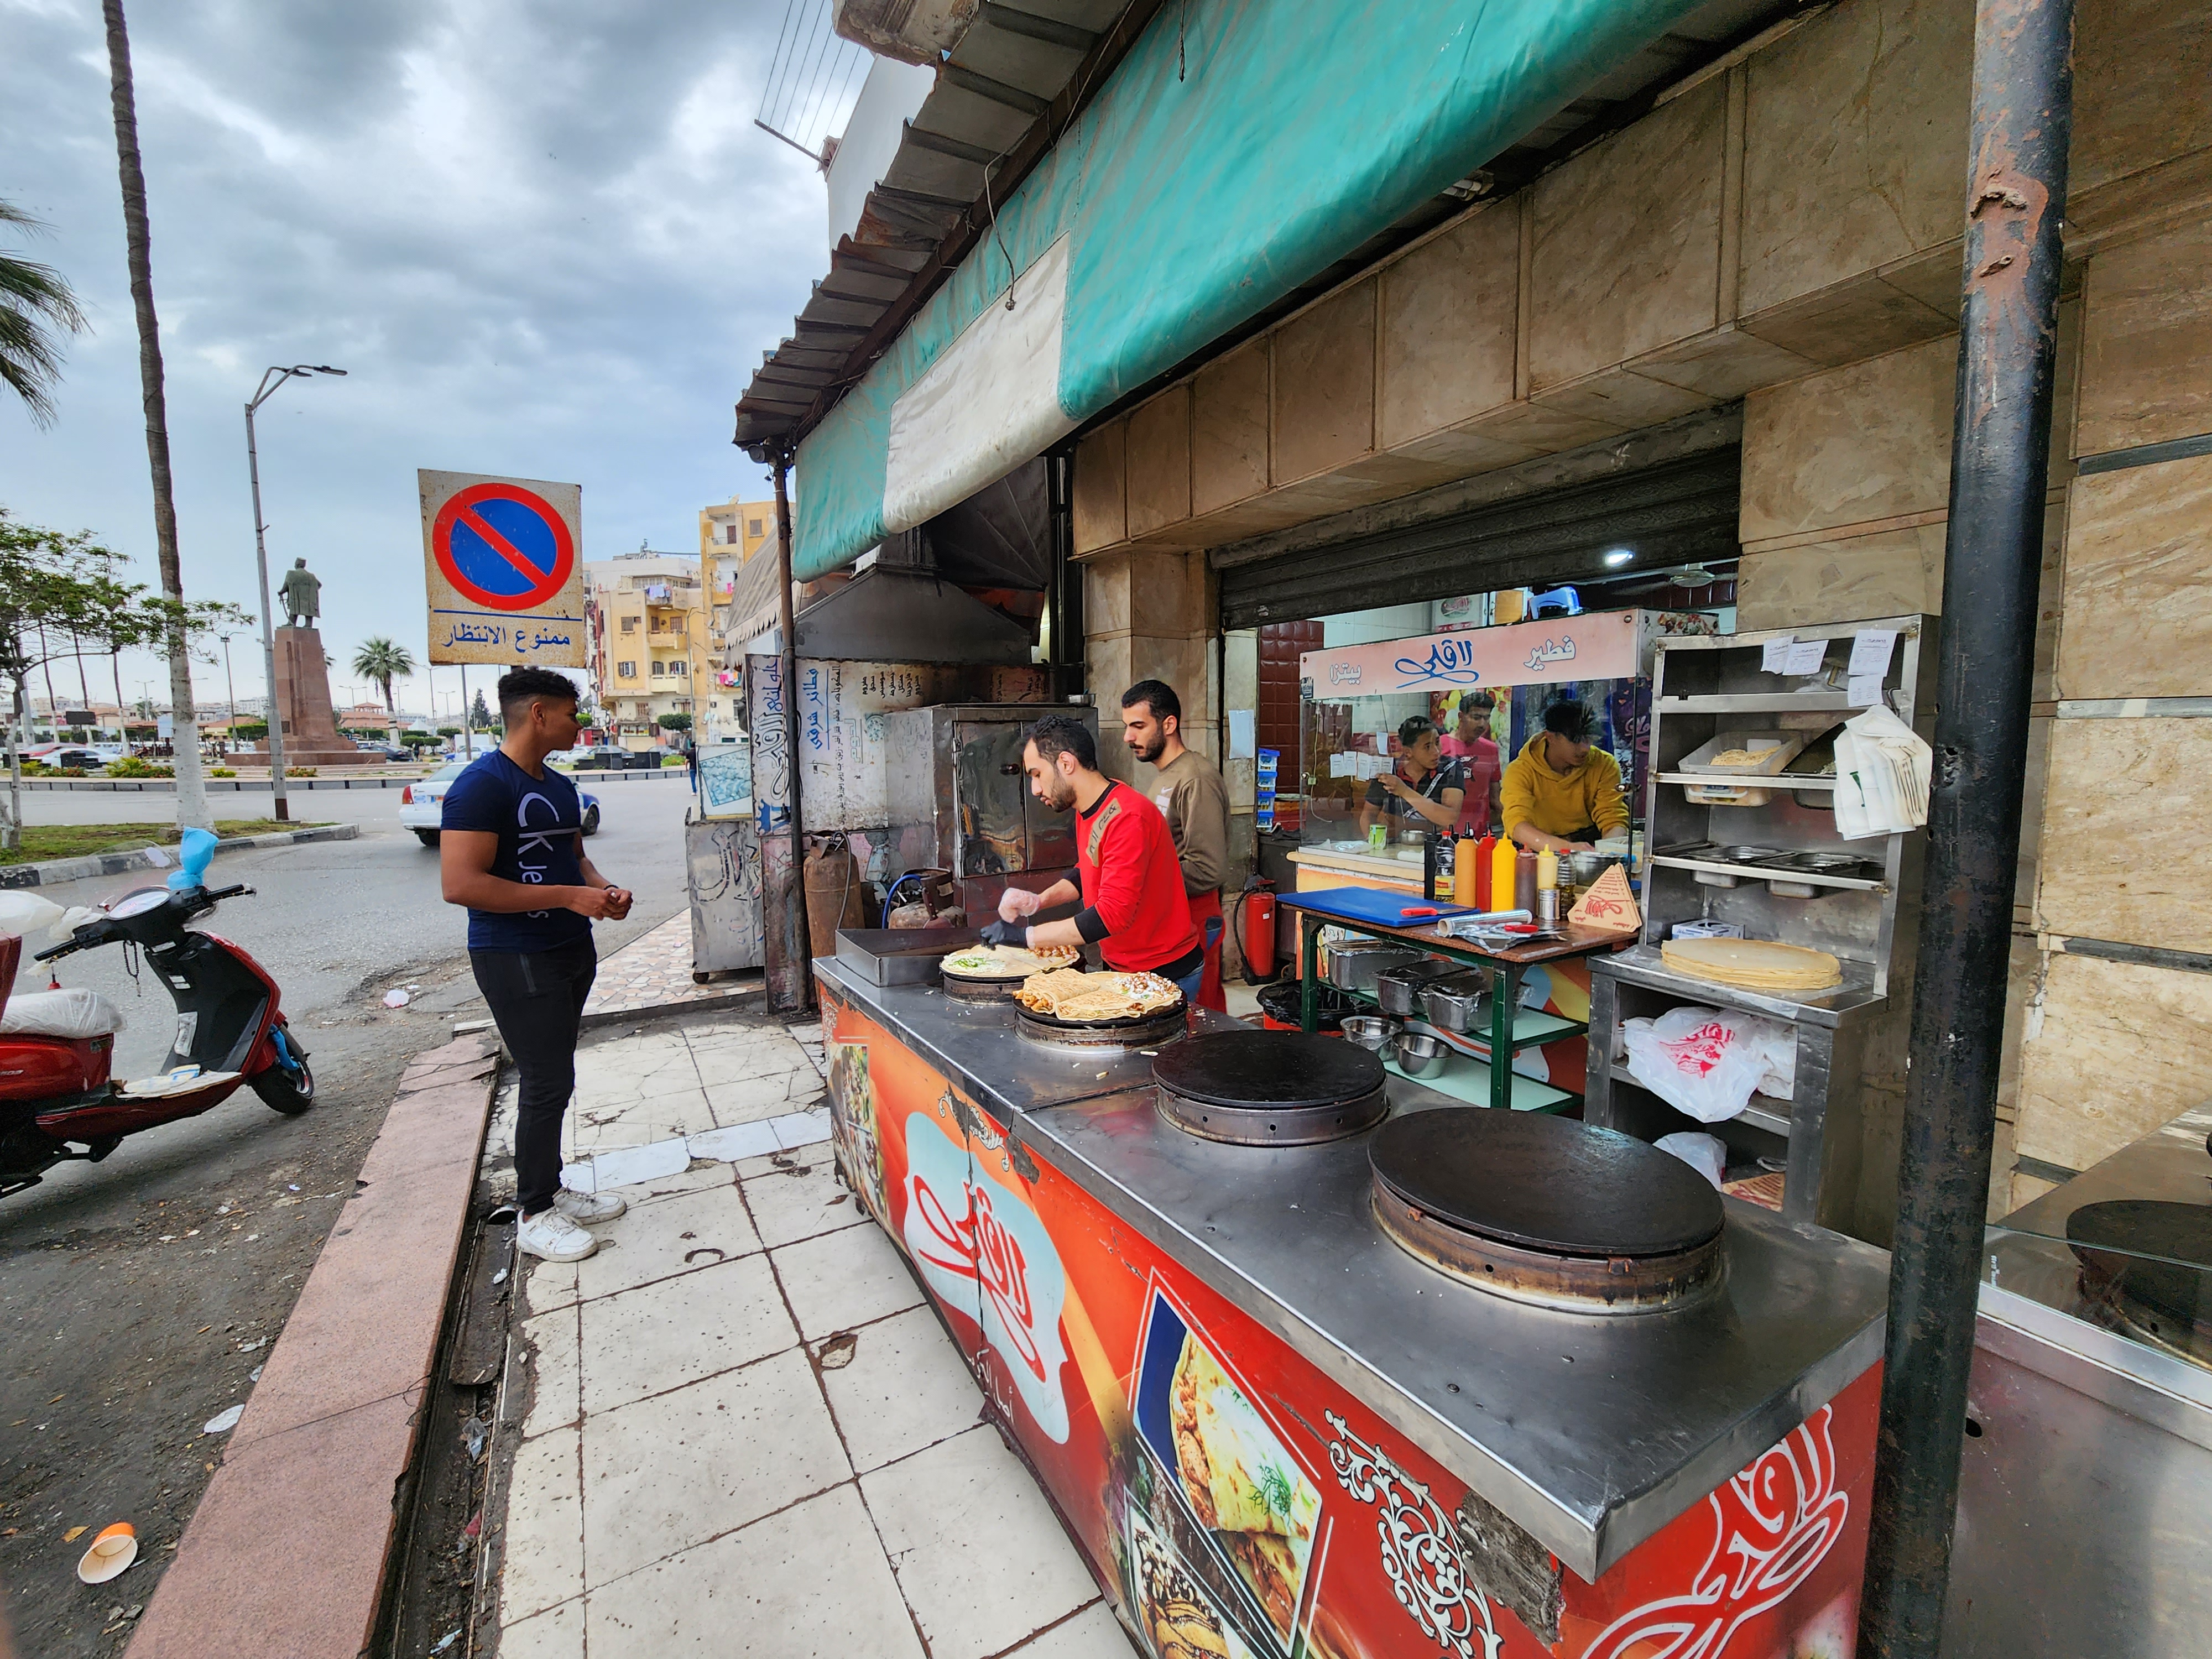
(713,997)
(289,1548)
(54,870)
(260,786)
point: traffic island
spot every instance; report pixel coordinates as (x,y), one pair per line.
(117,861)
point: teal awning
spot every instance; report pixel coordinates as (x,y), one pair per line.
(1227,162)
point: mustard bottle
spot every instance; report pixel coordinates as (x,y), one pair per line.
(1465,859)
(1503,858)
(1547,870)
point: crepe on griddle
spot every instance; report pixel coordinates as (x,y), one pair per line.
(1007,961)
(1069,994)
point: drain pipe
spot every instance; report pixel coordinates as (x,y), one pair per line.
(798,937)
(2022,120)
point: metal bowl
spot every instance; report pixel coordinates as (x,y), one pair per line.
(1419,1055)
(1371,1032)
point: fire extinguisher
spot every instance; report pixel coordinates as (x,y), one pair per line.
(1255,930)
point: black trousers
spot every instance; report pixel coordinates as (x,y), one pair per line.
(537,999)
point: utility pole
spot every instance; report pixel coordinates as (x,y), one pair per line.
(274,716)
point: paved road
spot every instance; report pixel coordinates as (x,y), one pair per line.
(129,1290)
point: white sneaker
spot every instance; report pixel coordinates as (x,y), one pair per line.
(585,1208)
(551,1236)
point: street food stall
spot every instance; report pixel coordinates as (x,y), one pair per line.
(1304,1377)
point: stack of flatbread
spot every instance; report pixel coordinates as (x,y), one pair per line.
(1753,964)
(1072,995)
(1007,961)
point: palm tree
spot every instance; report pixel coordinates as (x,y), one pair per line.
(36,306)
(380,660)
(191,782)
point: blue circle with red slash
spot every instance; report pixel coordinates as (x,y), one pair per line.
(503,546)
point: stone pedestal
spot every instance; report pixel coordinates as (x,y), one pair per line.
(303,700)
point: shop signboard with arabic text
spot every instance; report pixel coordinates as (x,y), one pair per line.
(1601,645)
(503,569)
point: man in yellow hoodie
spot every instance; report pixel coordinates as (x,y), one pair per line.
(1561,792)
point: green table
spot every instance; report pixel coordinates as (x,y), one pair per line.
(1511,1029)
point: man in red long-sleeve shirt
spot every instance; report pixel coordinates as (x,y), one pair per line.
(1132,890)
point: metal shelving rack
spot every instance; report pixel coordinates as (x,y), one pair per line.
(1701,688)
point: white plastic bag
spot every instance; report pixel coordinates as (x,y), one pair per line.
(27,915)
(1706,1154)
(1707,1062)
(1882,772)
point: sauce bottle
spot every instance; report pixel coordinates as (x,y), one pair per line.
(1547,871)
(1485,854)
(1524,882)
(1503,858)
(1467,871)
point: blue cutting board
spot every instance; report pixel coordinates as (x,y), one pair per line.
(1377,905)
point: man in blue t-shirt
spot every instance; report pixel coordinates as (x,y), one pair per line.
(511,849)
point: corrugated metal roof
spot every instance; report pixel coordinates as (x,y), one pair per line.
(1014,68)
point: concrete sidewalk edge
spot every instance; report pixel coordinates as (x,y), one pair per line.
(53,872)
(289,1547)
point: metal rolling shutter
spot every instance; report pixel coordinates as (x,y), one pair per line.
(1676,513)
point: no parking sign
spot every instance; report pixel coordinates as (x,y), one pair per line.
(503,568)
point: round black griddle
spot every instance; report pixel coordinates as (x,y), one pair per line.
(1547,1210)
(1124,1031)
(1270,1088)
(2154,1254)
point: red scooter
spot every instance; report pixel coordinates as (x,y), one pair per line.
(57,1099)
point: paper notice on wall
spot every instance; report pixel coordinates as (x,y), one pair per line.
(1243,738)
(1340,766)
(1804,657)
(1862,690)
(1773,654)
(1870,651)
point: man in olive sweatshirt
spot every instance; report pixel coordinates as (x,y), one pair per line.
(1189,791)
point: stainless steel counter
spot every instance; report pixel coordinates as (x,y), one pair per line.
(1592,1432)
(1854,999)
(976,1045)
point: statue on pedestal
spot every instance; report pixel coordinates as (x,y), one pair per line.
(301,596)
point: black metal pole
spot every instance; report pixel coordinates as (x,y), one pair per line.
(2021,121)
(797,939)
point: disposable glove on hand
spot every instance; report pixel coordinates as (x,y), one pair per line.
(1015,933)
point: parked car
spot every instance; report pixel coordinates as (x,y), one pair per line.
(422,804)
(390,751)
(90,759)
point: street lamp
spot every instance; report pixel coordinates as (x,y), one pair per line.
(230,703)
(269,381)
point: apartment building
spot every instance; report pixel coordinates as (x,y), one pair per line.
(648,619)
(730,533)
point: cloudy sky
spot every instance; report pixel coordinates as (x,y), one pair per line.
(543,240)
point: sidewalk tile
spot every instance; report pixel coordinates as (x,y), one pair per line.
(749,1100)
(735,1062)
(798,1129)
(739,1140)
(1005,1571)
(543,1561)
(662,1336)
(665,1473)
(676,1235)
(556,1633)
(808,1583)
(800,1202)
(703,1175)
(906,1387)
(671,1111)
(628,1166)
(551,1284)
(844,1278)
(556,1372)
(633,1068)
(1093,1633)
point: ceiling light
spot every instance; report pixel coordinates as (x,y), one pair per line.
(1618,556)
(1693,576)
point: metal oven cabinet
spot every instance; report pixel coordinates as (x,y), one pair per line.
(959,801)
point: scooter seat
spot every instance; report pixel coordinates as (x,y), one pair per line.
(71,1014)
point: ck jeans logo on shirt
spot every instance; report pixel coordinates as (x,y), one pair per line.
(535,837)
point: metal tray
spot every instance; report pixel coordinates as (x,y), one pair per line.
(900,955)
(1456,1003)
